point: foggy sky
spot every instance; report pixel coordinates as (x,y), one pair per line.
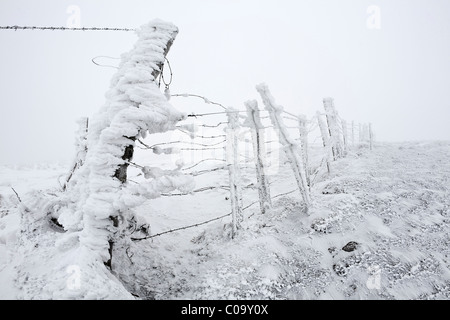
(395,76)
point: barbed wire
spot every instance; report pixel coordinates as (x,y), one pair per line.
(179,142)
(314,175)
(203,160)
(104,65)
(161,76)
(206,100)
(195,115)
(274,197)
(15,28)
(211,137)
(203,189)
(181,228)
(290,117)
(201,149)
(201,172)
(212,126)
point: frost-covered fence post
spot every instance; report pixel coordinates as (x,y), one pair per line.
(365,132)
(164,47)
(370,136)
(302,122)
(233,169)
(353,133)
(80,148)
(291,148)
(333,127)
(132,81)
(345,136)
(256,127)
(360,133)
(326,141)
(101,206)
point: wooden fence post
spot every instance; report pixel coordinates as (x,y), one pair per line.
(233,169)
(370,136)
(115,129)
(353,133)
(254,121)
(325,140)
(304,146)
(345,136)
(360,133)
(333,127)
(81,148)
(291,148)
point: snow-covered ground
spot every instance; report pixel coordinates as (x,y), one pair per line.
(378,229)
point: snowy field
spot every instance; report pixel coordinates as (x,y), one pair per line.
(378,229)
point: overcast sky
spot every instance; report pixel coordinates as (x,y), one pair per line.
(383,61)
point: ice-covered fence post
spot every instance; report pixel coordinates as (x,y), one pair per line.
(149,55)
(353,133)
(365,133)
(325,140)
(291,148)
(80,147)
(101,207)
(256,127)
(345,136)
(370,136)
(303,131)
(333,127)
(162,49)
(233,168)
(360,134)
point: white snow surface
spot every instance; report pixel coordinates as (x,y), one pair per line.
(393,201)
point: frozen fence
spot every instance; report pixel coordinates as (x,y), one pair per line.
(139,147)
(229,143)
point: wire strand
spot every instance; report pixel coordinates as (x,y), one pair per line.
(15,28)
(104,65)
(206,100)
(161,77)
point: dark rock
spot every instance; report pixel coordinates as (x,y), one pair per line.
(333,189)
(351,246)
(340,270)
(55,225)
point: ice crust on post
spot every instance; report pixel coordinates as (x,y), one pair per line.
(80,148)
(233,169)
(302,122)
(291,148)
(326,141)
(254,122)
(134,107)
(333,127)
